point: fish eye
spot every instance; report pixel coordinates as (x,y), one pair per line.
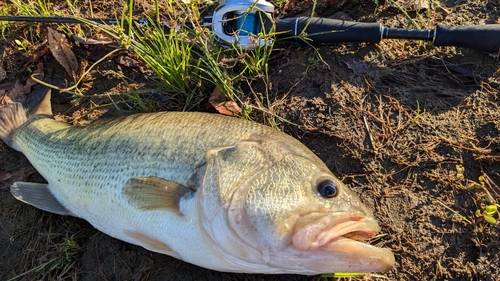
(327,189)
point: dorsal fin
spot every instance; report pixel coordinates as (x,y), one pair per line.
(38,101)
(44,107)
(150,193)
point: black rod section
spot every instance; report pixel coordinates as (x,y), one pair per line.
(57,19)
(413,34)
(484,38)
(324,30)
(205,21)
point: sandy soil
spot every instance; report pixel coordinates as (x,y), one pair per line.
(406,132)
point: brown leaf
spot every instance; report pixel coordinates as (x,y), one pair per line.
(6,86)
(127,61)
(38,74)
(289,5)
(17,91)
(412,5)
(61,50)
(444,11)
(222,104)
(39,54)
(3,74)
(360,67)
(15,94)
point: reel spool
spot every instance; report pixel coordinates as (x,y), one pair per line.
(239,21)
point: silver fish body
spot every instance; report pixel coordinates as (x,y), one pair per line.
(219,192)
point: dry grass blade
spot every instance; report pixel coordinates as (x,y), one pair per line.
(61,50)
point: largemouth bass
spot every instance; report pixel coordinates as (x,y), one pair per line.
(215,191)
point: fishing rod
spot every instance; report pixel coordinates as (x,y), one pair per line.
(240,21)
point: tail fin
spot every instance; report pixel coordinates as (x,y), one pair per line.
(13,115)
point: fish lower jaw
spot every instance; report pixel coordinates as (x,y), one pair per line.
(341,241)
(375,259)
(340,255)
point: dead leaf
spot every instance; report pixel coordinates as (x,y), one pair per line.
(3,98)
(412,5)
(30,82)
(222,104)
(289,5)
(127,61)
(444,11)
(3,74)
(360,67)
(6,86)
(17,92)
(61,50)
(39,54)
(3,92)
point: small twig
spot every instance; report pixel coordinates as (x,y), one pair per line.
(487,180)
(473,148)
(488,157)
(69,89)
(375,150)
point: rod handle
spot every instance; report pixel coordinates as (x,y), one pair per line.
(325,30)
(484,38)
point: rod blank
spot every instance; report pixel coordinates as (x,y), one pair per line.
(484,38)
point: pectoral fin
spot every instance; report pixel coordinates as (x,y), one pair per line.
(150,193)
(38,195)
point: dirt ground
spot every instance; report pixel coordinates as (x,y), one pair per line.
(409,132)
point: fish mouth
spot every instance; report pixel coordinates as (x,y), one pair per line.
(317,230)
(342,235)
(354,228)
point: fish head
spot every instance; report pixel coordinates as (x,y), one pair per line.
(276,207)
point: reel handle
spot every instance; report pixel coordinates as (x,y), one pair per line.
(325,30)
(235,22)
(484,38)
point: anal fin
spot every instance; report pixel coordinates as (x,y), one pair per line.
(38,195)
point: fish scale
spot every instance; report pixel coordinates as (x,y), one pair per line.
(83,155)
(216,191)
